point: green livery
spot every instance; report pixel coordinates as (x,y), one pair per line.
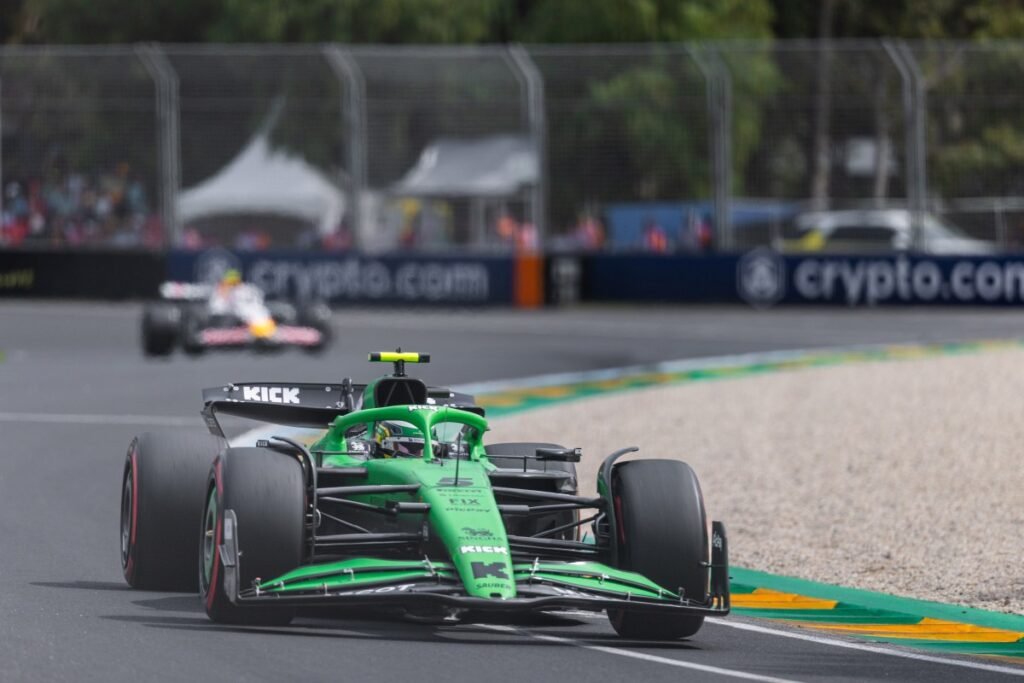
(399,503)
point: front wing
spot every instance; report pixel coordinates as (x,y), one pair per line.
(404,583)
(240,336)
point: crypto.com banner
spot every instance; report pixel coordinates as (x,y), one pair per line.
(357,278)
(764,278)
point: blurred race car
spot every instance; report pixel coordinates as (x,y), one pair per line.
(229,315)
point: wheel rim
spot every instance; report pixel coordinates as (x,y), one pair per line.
(127,496)
(209,541)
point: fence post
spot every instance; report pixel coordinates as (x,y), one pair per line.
(537,117)
(353,107)
(920,142)
(718,81)
(165,82)
(914,123)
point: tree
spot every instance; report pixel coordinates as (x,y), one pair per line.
(912,19)
(114,21)
(640,21)
(356,21)
(633,128)
(10,19)
(975,139)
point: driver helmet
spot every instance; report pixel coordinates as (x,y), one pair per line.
(231,278)
(398,439)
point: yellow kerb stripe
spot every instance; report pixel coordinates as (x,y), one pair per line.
(503,400)
(762,598)
(548,392)
(926,629)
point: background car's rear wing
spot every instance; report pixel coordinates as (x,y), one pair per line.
(301,404)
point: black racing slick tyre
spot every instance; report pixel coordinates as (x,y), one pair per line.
(318,316)
(265,490)
(160,328)
(662,534)
(162,495)
(282,312)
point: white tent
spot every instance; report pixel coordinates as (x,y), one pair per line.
(495,166)
(262,180)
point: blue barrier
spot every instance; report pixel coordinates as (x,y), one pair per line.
(626,220)
(358,278)
(651,277)
(764,278)
(761,277)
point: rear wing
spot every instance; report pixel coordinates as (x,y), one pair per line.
(286,403)
(312,405)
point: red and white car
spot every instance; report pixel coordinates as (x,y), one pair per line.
(199,317)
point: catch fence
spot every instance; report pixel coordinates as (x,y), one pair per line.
(681,147)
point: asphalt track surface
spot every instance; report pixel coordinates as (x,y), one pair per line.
(74,389)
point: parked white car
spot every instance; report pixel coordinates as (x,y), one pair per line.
(878,230)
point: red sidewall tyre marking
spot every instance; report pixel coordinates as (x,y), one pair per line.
(618,520)
(129,568)
(215,574)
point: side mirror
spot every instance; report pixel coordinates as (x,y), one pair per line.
(559,454)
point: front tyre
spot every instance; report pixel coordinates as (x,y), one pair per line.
(162,489)
(662,534)
(193,320)
(266,492)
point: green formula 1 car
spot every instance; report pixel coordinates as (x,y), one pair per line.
(399,504)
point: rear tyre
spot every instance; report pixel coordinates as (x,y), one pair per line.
(496,450)
(162,488)
(265,490)
(160,328)
(282,312)
(318,316)
(662,534)
(568,485)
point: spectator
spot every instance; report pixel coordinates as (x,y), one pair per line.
(506,228)
(528,238)
(705,235)
(695,234)
(339,240)
(589,233)
(14,223)
(75,209)
(654,237)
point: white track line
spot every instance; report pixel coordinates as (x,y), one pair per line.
(734,673)
(864,647)
(87,419)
